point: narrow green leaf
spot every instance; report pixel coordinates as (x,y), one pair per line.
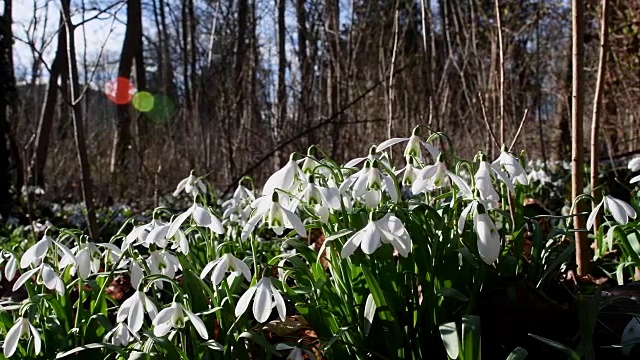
(452,293)
(471,337)
(88,347)
(556,345)
(260,340)
(518,354)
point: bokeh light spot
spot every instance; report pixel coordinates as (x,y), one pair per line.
(162,109)
(119,90)
(143,101)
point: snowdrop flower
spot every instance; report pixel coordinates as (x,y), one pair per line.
(372,156)
(11,266)
(288,178)
(238,207)
(488,241)
(483,183)
(298,354)
(413,148)
(139,234)
(121,335)
(620,210)
(35,254)
(174,317)
(276,216)
(387,230)
(370,183)
(222,265)
(266,297)
(191,185)
(87,260)
(512,166)
(409,173)
(201,215)
(634,165)
(323,200)
(46,276)
(21,329)
(432,177)
(133,310)
(164,263)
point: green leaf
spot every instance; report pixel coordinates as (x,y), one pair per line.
(518,354)
(449,334)
(471,337)
(88,347)
(369,314)
(452,293)
(260,340)
(214,345)
(556,345)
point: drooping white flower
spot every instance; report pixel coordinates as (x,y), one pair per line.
(620,210)
(35,254)
(511,165)
(433,176)
(140,233)
(323,200)
(370,183)
(373,155)
(11,266)
(387,230)
(484,184)
(174,317)
(238,208)
(21,329)
(201,215)
(288,178)
(276,215)
(191,185)
(133,309)
(266,297)
(224,264)
(488,240)
(45,275)
(87,260)
(122,335)
(634,166)
(414,145)
(164,263)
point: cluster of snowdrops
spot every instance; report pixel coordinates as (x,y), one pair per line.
(206,278)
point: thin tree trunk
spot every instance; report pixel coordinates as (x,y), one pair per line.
(120,161)
(577,153)
(7,92)
(282,71)
(45,124)
(597,105)
(85,172)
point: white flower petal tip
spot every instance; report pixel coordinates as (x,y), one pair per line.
(265,296)
(388,230)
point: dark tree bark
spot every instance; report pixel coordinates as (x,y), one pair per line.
(47,115)
(120,162)
(7,94)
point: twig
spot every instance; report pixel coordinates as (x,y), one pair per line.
(501,53)
(486,121)
(320,124)
(515,138)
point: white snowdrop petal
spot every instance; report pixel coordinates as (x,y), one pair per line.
(243,302)
(197,323)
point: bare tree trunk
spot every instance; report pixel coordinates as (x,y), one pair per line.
(7,92)
(282,71)
(332,37)
(577,153)
(597,105)
(85,172)
(304,118)
(120,162)
(45,124)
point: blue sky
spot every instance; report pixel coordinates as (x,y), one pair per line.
(29,27)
